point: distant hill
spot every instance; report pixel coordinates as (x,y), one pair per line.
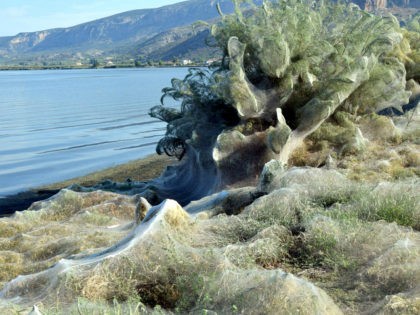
(137,32)
(164,33)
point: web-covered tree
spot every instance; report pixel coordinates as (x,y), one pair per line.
(288,66)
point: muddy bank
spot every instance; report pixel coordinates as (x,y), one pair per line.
(138,170)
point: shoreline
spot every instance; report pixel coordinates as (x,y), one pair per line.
(143,169)
(34,68)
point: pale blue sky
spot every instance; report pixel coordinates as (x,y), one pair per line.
(35,15)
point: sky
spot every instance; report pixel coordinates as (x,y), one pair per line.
(35,15)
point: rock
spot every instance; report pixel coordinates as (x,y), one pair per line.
(141,209)
(357,144)
(280,205)
(266,247)
(270,175)
(330,163)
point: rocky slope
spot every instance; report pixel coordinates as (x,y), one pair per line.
(126,32)
(132,26)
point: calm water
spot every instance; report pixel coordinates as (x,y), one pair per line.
(59,124)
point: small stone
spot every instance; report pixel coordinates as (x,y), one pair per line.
(141,209)
(330,162)
(270,172)
(35,311)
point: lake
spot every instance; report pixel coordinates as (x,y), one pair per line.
(60,124)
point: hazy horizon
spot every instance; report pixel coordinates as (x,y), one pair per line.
(30,16)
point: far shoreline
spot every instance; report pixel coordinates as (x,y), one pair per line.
(142,169)
(36,68)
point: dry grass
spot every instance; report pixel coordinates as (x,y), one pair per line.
(345,237)
(140,170)
(71,223)
(391,153)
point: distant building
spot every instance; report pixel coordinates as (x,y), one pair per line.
(186,62)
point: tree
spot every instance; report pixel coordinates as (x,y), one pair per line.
(288,67)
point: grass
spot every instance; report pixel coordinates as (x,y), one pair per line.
(399,204)
(84,306)
(338,234)
(400,209)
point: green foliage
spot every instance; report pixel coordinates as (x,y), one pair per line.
(412,48)
(399,207)
(308,46)
(363,203)
(193,286)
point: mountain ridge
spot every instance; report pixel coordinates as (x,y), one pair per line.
(110,33)
(163,33)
